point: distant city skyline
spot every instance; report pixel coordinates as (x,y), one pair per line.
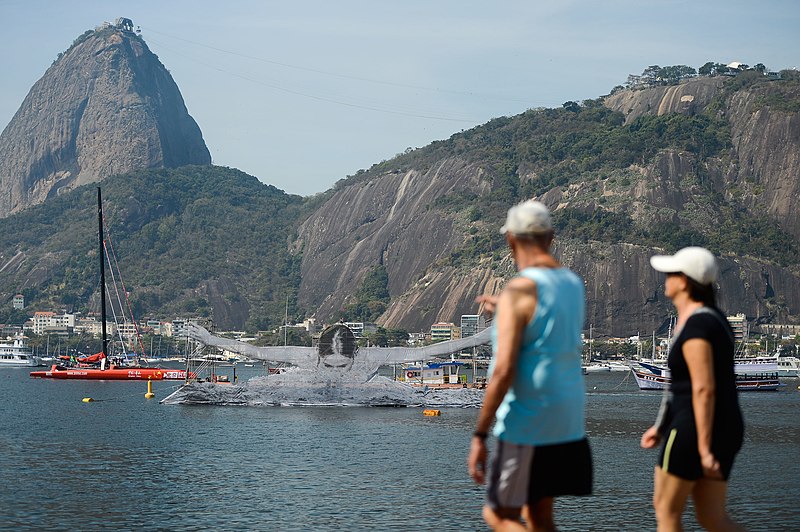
(301,95)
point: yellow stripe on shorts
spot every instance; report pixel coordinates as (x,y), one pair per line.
(670,441)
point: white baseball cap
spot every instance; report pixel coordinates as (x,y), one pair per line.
(694,262)
(526,218)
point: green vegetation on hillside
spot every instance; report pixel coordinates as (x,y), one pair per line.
(173,231)
(371,298)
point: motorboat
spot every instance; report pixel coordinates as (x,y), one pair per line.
(435,374)
(15,354)
(595,368)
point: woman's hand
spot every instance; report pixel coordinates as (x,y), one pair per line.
(650,438)
(710,465)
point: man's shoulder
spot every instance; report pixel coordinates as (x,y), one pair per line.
(520,286)
(559,278)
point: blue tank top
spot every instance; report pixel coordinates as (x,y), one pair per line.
(545,404)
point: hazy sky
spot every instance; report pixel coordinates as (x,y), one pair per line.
(302,94)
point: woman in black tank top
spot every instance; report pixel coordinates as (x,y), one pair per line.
(701,427)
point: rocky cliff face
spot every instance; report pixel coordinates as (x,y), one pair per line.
(767,144)
(387,220)
(106,106)
(625,295)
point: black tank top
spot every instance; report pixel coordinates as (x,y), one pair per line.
(710,325)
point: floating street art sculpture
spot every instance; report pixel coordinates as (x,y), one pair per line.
(335,373)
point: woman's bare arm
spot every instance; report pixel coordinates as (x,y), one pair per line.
(700,360)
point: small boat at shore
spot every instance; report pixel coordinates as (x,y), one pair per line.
(595,368)
(435,374)
(617,365)
(647,380)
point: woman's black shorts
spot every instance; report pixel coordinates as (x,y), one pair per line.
(679,454)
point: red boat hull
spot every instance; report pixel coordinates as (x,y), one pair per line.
(113,374)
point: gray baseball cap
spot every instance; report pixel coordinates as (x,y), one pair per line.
(528,218)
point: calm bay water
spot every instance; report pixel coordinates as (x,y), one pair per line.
(125,463)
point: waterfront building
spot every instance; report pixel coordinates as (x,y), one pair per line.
(154,325)
(8,330)
(93,326)
(739,325)
(127,330)
(445,331)
(310,325)
(177,327)
(472,324)
(44,322)
(781,330)
(41,319)
(416,339)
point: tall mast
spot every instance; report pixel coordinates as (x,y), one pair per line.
(286,322)
(102,255)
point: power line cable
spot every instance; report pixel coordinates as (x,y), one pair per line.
(316,97)
(341,76)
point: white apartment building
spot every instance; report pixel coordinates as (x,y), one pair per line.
(44,322)
(445,331)
(94,327)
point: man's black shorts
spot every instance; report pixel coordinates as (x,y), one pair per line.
(524,474)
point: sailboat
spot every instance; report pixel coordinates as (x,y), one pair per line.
(107,371)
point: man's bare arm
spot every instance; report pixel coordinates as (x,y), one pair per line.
(515,308)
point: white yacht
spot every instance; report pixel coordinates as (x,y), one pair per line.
(788,367)
(16,354)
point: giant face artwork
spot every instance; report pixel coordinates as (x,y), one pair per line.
(337,347)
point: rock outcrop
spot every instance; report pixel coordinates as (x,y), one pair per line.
(106,106)
(689,97)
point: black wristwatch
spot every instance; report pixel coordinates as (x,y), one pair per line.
(479,434)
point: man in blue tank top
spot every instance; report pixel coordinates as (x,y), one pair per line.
(536,391)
